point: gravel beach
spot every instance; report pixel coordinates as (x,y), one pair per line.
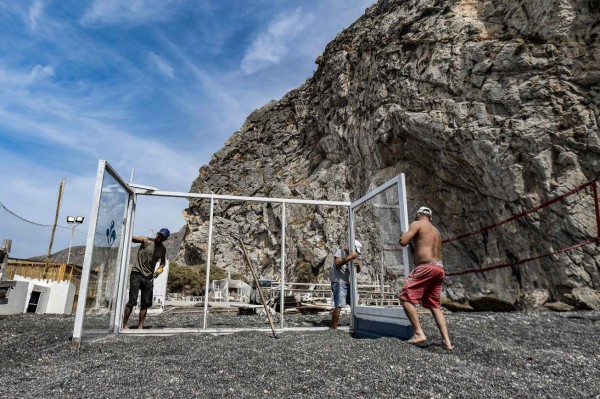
(497,355)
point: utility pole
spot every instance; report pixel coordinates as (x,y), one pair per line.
(60,193)
(4,251)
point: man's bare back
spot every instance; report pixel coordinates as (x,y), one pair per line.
(427,242)
(426,239)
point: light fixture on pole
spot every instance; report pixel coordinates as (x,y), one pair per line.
(73,221)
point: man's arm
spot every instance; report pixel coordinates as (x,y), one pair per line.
(342,261)
(410,234)
(138,239)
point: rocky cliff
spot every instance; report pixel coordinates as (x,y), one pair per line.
(489,107)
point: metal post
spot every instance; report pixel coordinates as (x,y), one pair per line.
(382,274)
(283,222)
(87,260)
(353,288)
(124,268)
(596,207)
(70,243)
(403,220)
(208,255)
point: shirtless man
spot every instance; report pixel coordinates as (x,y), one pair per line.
(424,283)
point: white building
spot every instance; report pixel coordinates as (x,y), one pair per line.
(39,287)
(159,293)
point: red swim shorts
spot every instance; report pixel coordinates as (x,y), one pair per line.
(424,284)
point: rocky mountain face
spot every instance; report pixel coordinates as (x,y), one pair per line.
(489,107)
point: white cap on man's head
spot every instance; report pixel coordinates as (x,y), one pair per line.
(424,211)
(358,246)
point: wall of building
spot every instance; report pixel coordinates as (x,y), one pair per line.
(160,288)
(57,297)
(17,298)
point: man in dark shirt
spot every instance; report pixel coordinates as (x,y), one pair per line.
(142,274)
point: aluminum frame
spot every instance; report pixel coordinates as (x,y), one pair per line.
(125,251)
(103,168)
(381,321)
(212,198)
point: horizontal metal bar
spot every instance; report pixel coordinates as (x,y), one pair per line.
(240,198)
(376,191)
(108,168)
(219,331)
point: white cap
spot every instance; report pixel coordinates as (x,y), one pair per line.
(358,246)
(424,211)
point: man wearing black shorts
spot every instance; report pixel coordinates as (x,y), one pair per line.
(142,274)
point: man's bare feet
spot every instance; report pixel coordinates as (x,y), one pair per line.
(124,327)
(417,339)
(447,345)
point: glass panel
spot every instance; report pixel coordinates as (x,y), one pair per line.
(106,257)
(377,227)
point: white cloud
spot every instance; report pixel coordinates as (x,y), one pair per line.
(129,11)
(32,193)
(271,46)
(162,65)
(41,72)
(59,127)
(81,140)
(12,80)
(36,12)
(84,129)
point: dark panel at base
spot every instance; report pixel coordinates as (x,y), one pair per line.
(377,329)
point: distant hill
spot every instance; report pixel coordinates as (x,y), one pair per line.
(78,252)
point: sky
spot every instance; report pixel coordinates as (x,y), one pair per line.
(154,86)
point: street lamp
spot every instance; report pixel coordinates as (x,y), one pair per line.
(73,221)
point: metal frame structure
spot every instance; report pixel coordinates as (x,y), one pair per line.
(213,197)
(378,321)
(124,251)
(123,255)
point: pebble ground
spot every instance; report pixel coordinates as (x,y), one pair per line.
(497,355)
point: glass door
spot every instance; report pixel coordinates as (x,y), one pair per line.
(377,221)
(98,303)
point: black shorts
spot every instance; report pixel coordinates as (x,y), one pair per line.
(139,282)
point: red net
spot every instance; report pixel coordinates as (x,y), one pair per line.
(564,224)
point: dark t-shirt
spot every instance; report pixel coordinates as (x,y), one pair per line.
(148,255)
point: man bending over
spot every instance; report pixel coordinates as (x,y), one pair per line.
(142,274)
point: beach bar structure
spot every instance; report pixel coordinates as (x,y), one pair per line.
(41,287)
(107,254)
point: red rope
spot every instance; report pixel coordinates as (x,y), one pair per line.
(503,265)
(534,209)
(510,219)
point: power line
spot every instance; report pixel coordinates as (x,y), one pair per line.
(35,223)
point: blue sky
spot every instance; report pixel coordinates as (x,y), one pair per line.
(155,85)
